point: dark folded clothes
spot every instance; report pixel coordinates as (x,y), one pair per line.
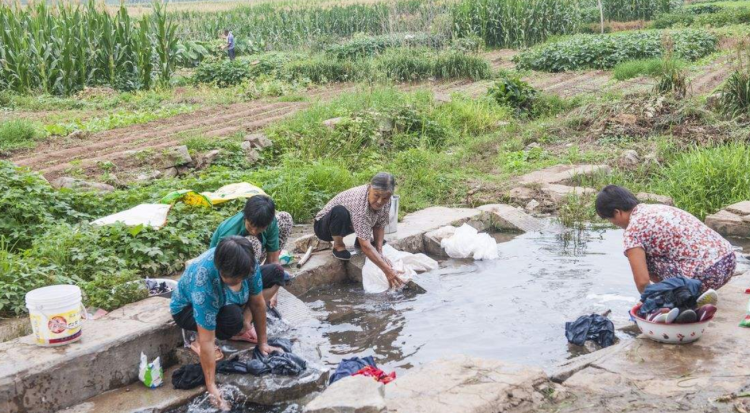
(593,327)
(676,292)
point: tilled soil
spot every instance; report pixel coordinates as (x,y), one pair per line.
(56,156)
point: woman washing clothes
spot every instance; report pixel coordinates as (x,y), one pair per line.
(662,242)
(363,211)
(220,296)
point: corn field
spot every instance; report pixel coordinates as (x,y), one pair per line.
(515,23)
(270,27)
(62,49)
(627,10)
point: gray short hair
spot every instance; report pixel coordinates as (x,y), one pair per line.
(383,181)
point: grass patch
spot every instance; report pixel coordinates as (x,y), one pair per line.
(17,134)
(635,68)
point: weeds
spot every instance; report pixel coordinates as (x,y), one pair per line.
(640,67)
(735,93)
(17,134)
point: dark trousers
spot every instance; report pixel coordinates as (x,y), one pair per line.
(229,321)
(272,274)
(336,223)
(230,53)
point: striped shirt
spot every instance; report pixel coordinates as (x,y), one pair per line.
(364,218)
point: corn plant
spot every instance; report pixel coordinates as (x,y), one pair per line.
(515,23)
(63,48)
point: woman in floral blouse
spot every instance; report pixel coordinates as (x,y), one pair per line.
(663,242)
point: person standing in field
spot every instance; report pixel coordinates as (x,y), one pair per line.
(230,44)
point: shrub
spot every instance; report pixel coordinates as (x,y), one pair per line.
(321,69)
(514,93)
(606,51)
(725,17)
(223,73)
(702,181)
(17,134)
(405,65)
(673,78)
(454,65)
(735,94)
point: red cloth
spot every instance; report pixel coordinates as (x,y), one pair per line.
(377,374)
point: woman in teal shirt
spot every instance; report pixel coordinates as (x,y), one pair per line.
(268,232)
(219,296)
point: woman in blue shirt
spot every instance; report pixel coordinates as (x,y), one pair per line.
(220,296)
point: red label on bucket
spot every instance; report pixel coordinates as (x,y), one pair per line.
(65,339)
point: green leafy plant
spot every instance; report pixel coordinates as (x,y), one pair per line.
(515,93)
(606,51)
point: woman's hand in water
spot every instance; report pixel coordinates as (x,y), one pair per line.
(393,279)
(214,395)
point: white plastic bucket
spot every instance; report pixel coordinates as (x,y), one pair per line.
(56,312)
(393,216)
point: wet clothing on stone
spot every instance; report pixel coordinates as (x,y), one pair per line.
(363,218)
(679,244)
(379,375)
(288,364)
(676,292)
(201,288)
(273,239)
(592,327)
(349,367)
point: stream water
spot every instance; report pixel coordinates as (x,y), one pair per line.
(512,309)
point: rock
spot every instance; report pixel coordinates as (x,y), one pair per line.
(272,389)
(651,160)
(385,125)
(183,170)
(177,156)
(509,218)
(258,140)
(464,384)
(251,153)
(433,239)
(522,194)
(304,242)
(356,394)
(80,184)
(149,176)
(332,123)
(559,193)
(728,224)
(205,160)
(630,158)
(532,206)
(171,173)
(78,134)
(599,381)
(654,198)
(740,208)
(532,145)
(562,173)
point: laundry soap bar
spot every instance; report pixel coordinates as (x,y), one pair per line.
(746,321)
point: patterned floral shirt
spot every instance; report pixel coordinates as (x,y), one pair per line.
(364,218)
(201,287)
(675,242)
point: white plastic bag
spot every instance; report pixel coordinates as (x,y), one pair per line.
(375,281)
(151,374)
(466,242)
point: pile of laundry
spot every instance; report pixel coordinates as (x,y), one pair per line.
(361,367)
(677,300)
(594,327)
(287,364)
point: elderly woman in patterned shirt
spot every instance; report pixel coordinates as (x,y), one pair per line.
(362,211)
(661,242)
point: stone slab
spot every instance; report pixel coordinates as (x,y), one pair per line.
(322,269)
(562,173)
(565,370)
(740,208)
(43,379)
(433,241)
(271,389)
(728,224)
(654,198)
(559,193)
(465,384)
(356,394)
(137,397)
(509,218)
(706,369)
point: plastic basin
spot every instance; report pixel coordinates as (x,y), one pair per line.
(669,333)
